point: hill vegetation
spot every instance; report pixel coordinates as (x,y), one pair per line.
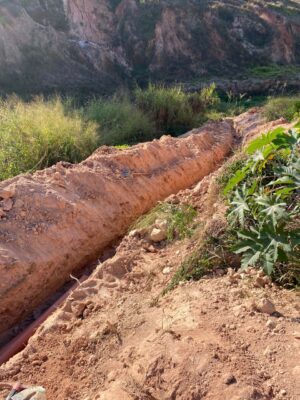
(41,132)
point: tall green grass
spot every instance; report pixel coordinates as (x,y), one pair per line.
(120,122)
(40,133)
(173,110)
(286,107)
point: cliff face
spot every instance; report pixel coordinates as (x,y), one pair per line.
(98,44)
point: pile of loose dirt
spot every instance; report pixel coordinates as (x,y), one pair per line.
(230,336)
(56,221)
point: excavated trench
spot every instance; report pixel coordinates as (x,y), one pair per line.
(57,221)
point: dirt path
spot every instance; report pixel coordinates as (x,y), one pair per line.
(204,340)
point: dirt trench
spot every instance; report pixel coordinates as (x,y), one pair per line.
(115,337)
(56,221)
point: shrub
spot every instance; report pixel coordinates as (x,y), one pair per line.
(172,109)
(263,203)
(286,107)
(40,133)
(168,107)
(120,122)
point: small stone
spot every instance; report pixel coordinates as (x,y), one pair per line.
(166,270)
(266,306)
(283,392)
(259,282)
(267,280)
(271,324)
(229,380)
(2,213)
(296,335)
(6,194)
(133,233)
(7,204)
(158,235)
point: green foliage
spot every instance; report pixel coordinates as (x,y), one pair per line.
(263,201)
(286,107)
(274,71)
(172,109)
(38,134)
(179,219)
(120,122)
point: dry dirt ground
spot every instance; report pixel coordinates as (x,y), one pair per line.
(116,338)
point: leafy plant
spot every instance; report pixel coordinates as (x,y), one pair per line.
(263,201)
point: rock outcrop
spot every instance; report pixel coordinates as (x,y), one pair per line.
(92,45)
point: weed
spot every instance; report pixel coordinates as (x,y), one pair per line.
(286,107)
(179,219)
(39,134)
(120,122)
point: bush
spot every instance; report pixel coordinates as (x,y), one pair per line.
(173,110)
(286,107)
(40,133)
(120,122)
(168,107)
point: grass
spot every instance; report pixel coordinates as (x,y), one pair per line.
(119,122)
(172,109)
(179,219)
(38,134)
(273,71)
(286,107)
(210,254)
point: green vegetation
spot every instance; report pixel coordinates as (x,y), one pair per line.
(274,71)
(286,107)
(119,122)
(263,204)
(208,255)
(38,134)
(172,109)
(179,219)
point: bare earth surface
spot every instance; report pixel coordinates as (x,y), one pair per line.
(216,339)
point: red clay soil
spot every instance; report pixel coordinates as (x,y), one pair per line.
(115,338)
(57,220)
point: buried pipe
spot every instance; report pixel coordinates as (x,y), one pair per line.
(20,341)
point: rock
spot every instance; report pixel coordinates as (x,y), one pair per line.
(2,213)
(35,393)
(283,392)
(296,335)
(166,271)
(271,324)
(6,194)
(266,306)
(7,204)
(158,235)
(161,224)
(259,282)
(267,280)
(230,379)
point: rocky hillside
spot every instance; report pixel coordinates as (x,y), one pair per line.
(99,44)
